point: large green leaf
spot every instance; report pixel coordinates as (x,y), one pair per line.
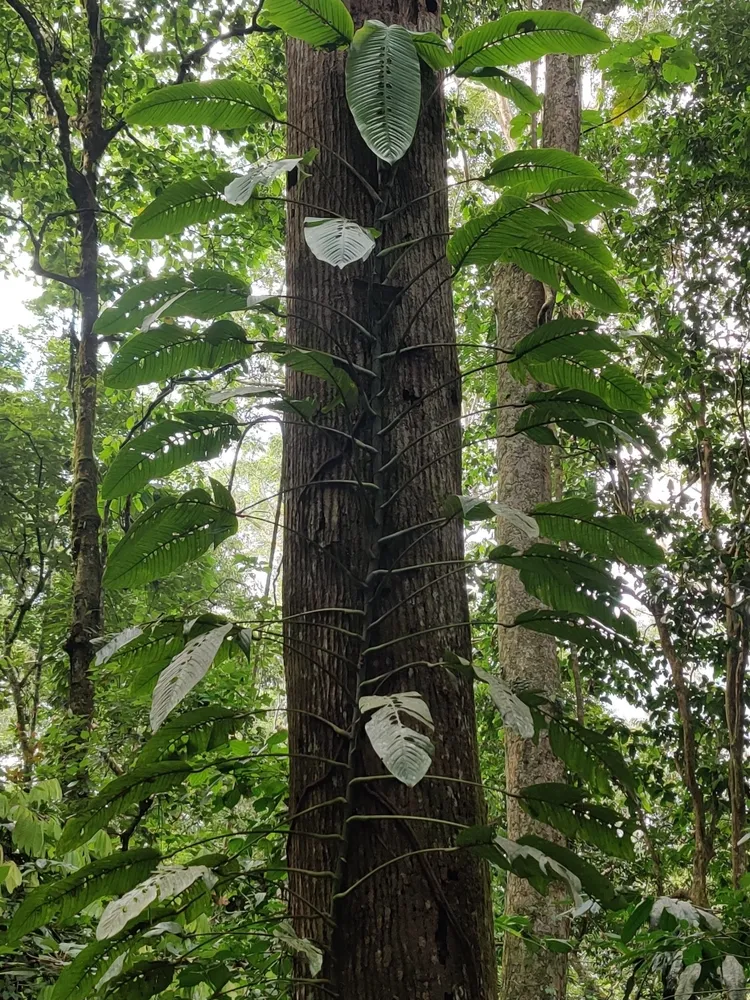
(582,632)
(383,88)
(520,93)
(595,884)
(169,445)
(484,238)
(89,966)
(565,337)
(173,531)
(204,294)
(591,755)
(144,980)
(585,371)
(139,784)
(338,241)
(615,537)
(523,36)
(432,49)
(169,351)
(564,808)
(580,199)
(60,900)
(219,104)
(157,643)
(326,24)
(536,169)
(184,204)
(323,366)
(195,732)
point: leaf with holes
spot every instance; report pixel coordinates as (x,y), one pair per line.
(406,753)
(60,900)
(167,446)
(170,351)
(338,241)
(383,88)
(525,35)
(580,199)
(515,714)
(219,104)
(173,531)
(564,808)
(325,24)
(595,884)
(581,631)
(184,672)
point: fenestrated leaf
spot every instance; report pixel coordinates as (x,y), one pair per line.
(241,189)
(167,446)
(60,900)
(116,643)
(536,169)
(525,35)
(169,351)
(161,886)
(383,87)
(520,93)
(171,532)
(195,732)
(139,784)
(563,807)
(406,753)
(477,509)
(515,714)
(219,104)
(595,884)
(614,537)
(184,672)
(182,204)
(338,241)
(326,24)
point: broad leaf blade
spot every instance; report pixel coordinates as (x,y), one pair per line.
(219,104)
(338,241)
(326,24)
(185,671)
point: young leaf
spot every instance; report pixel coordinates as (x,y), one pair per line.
(326,24)
(687,980)
(338,241)
(476,509)
(733,978)
(163,885)
(169,445)
(515,90)
(615,537)
(406,753)
(182,204)
(219,104)
(536,169)
(593,882)
(168,351)
(515,714)
(139,784)
(287,937)
(116,643)
(173,531)
(60,900)
(383,88)
(184,672)
(240,190)
(525,35)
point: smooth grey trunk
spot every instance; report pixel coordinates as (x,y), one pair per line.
(527,658)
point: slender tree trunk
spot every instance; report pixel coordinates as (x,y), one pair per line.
(703,851)
(734,700)
(402,915)
(524,480)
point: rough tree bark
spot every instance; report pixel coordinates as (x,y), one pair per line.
(401,916)
(524,480)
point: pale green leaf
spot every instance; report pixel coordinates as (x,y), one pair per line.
(219,104)
(185,671)
(326,24)
(338,241)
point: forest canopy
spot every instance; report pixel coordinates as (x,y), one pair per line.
(374,500)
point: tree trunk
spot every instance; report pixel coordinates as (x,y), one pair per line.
(734,699)
(524,479)
(401,914)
